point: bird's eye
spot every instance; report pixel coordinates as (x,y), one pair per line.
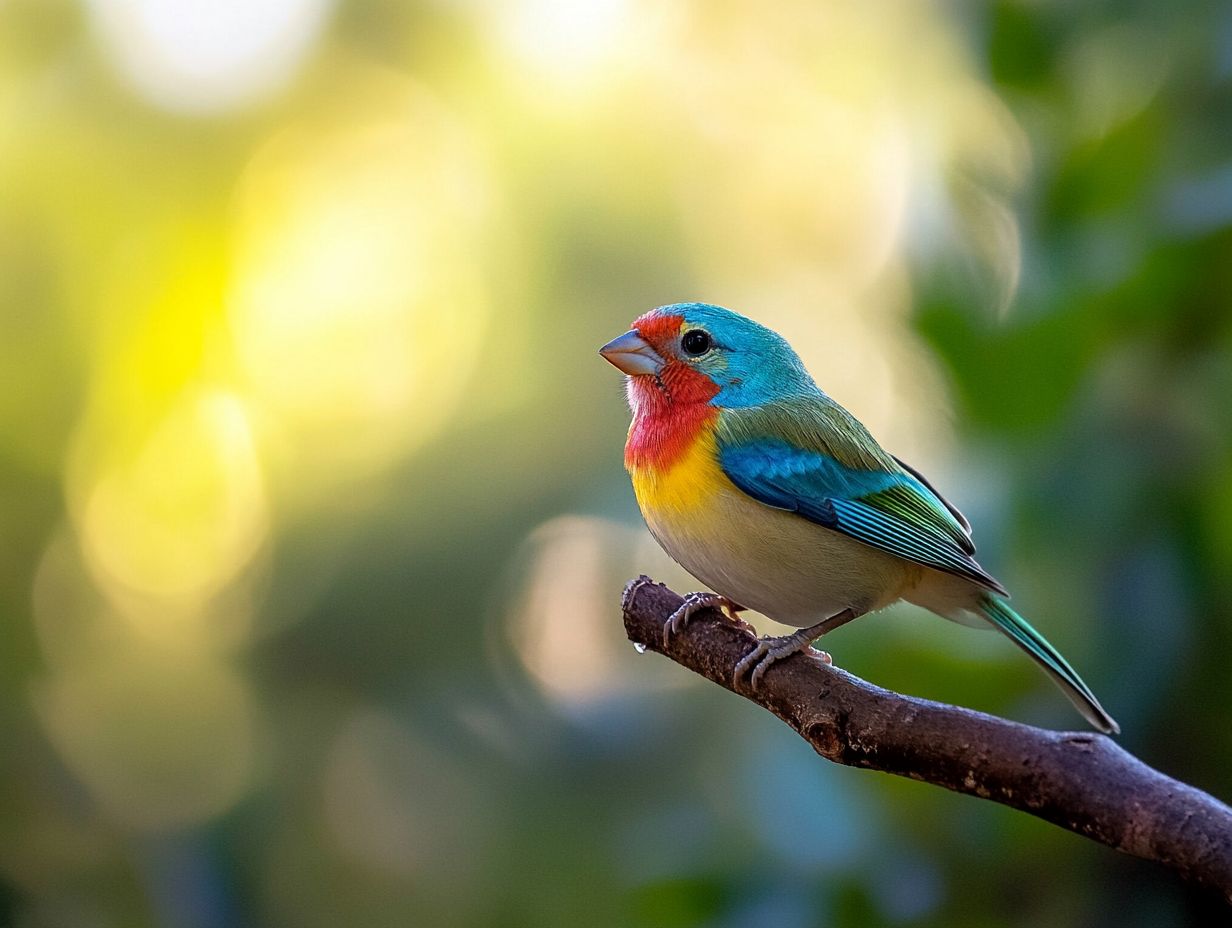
(695,342)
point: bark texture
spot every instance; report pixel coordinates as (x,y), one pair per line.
(1082,781)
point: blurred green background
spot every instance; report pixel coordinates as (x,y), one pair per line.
(312,518)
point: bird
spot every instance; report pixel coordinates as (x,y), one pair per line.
(780,501)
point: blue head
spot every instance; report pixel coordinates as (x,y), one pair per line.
(744,361)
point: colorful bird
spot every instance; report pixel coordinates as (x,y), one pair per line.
(779,500)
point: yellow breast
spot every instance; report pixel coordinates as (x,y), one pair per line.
(687,485)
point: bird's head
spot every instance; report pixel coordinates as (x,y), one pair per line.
(698,353)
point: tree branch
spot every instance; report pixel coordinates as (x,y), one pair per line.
(1079,780)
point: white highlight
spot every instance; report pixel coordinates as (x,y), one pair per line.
(197,56)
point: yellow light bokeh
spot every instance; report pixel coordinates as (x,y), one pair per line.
(160,739)
(185,516)
(354,307)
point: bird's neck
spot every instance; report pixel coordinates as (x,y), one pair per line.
(669,415)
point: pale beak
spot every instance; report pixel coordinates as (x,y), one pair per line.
(632,354)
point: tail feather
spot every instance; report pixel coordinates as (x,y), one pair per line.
(1018,630)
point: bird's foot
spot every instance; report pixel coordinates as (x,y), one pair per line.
(770,650)
(692,604)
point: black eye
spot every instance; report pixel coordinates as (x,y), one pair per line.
(695,342)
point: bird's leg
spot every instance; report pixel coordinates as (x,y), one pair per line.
(772,649)
(693,603)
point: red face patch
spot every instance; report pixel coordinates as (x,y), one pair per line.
(671,410)
(660,329)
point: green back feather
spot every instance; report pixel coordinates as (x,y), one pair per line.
(812,422)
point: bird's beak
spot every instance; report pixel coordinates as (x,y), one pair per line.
(632,354)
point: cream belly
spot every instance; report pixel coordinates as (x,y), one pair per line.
(771,561)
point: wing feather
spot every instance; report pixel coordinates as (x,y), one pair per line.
(809,456)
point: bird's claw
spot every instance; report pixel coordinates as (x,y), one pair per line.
(768,652)
(693,603)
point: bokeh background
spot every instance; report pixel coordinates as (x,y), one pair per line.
(312,518)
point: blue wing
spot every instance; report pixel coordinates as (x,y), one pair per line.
(886,507)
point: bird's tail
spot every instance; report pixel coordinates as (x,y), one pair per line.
(1019,630)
